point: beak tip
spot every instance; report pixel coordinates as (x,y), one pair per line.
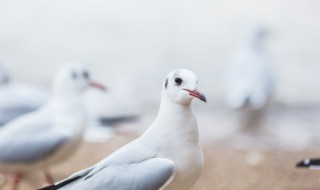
(197,94)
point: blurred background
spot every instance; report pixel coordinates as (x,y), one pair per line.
(132,45)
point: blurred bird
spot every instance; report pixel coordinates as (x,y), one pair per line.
(112,108)
(107,111)
(250,78)
(49,135)
(167,156)
(310,164)
(17,99)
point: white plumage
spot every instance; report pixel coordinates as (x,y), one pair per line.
(250,79)
(249,74)
(51,134)
(167,156)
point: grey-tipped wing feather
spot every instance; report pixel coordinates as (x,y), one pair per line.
(132,167)
(151,174)
(28,150)
(29,139)
(31,148)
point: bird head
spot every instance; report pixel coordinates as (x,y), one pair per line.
(74,77)
(180,86)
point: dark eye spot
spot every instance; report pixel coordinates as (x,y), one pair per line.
(166,84)
(74,75)
(178,81)
(86,75)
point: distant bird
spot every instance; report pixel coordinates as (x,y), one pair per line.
(309,164)
(16,98)
(108,111)
(49,135)
(250,77)
(167,156)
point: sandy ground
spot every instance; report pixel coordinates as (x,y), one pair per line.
(233,159)
(225,168)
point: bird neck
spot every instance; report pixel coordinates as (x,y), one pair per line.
(170,110)
(70,112)
(174,121)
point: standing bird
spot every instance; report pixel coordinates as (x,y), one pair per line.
(167,156)
(49,135)
(16,98)
(250,78)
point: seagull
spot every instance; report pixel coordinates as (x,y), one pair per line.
(49,135)
(250,77)
(309,163)
(167,155)
(17,98)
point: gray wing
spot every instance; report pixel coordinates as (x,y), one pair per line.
(30,147)
(29,139)
(151,174)
(131,167)
(7,115)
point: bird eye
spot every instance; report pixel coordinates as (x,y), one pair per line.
(86,75)
(178,80)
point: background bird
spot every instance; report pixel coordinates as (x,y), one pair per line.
(49,135)
(250,78)
(312,163)
(17,98)
(108,112)
(167,156)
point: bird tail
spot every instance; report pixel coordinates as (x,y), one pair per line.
(60,185)
(309,163)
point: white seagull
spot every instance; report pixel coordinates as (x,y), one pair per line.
(167,156)
(17,98)
(250,77)
(49,135)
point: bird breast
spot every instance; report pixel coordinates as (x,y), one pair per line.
(188,167)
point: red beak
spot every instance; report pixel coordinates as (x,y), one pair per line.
(98,86)
(197,94)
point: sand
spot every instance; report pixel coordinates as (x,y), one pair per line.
(226,167)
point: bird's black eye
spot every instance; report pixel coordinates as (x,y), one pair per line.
(178,80)
(74,75)
(86,75)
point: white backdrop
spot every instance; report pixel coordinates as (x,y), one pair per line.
(132,45)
